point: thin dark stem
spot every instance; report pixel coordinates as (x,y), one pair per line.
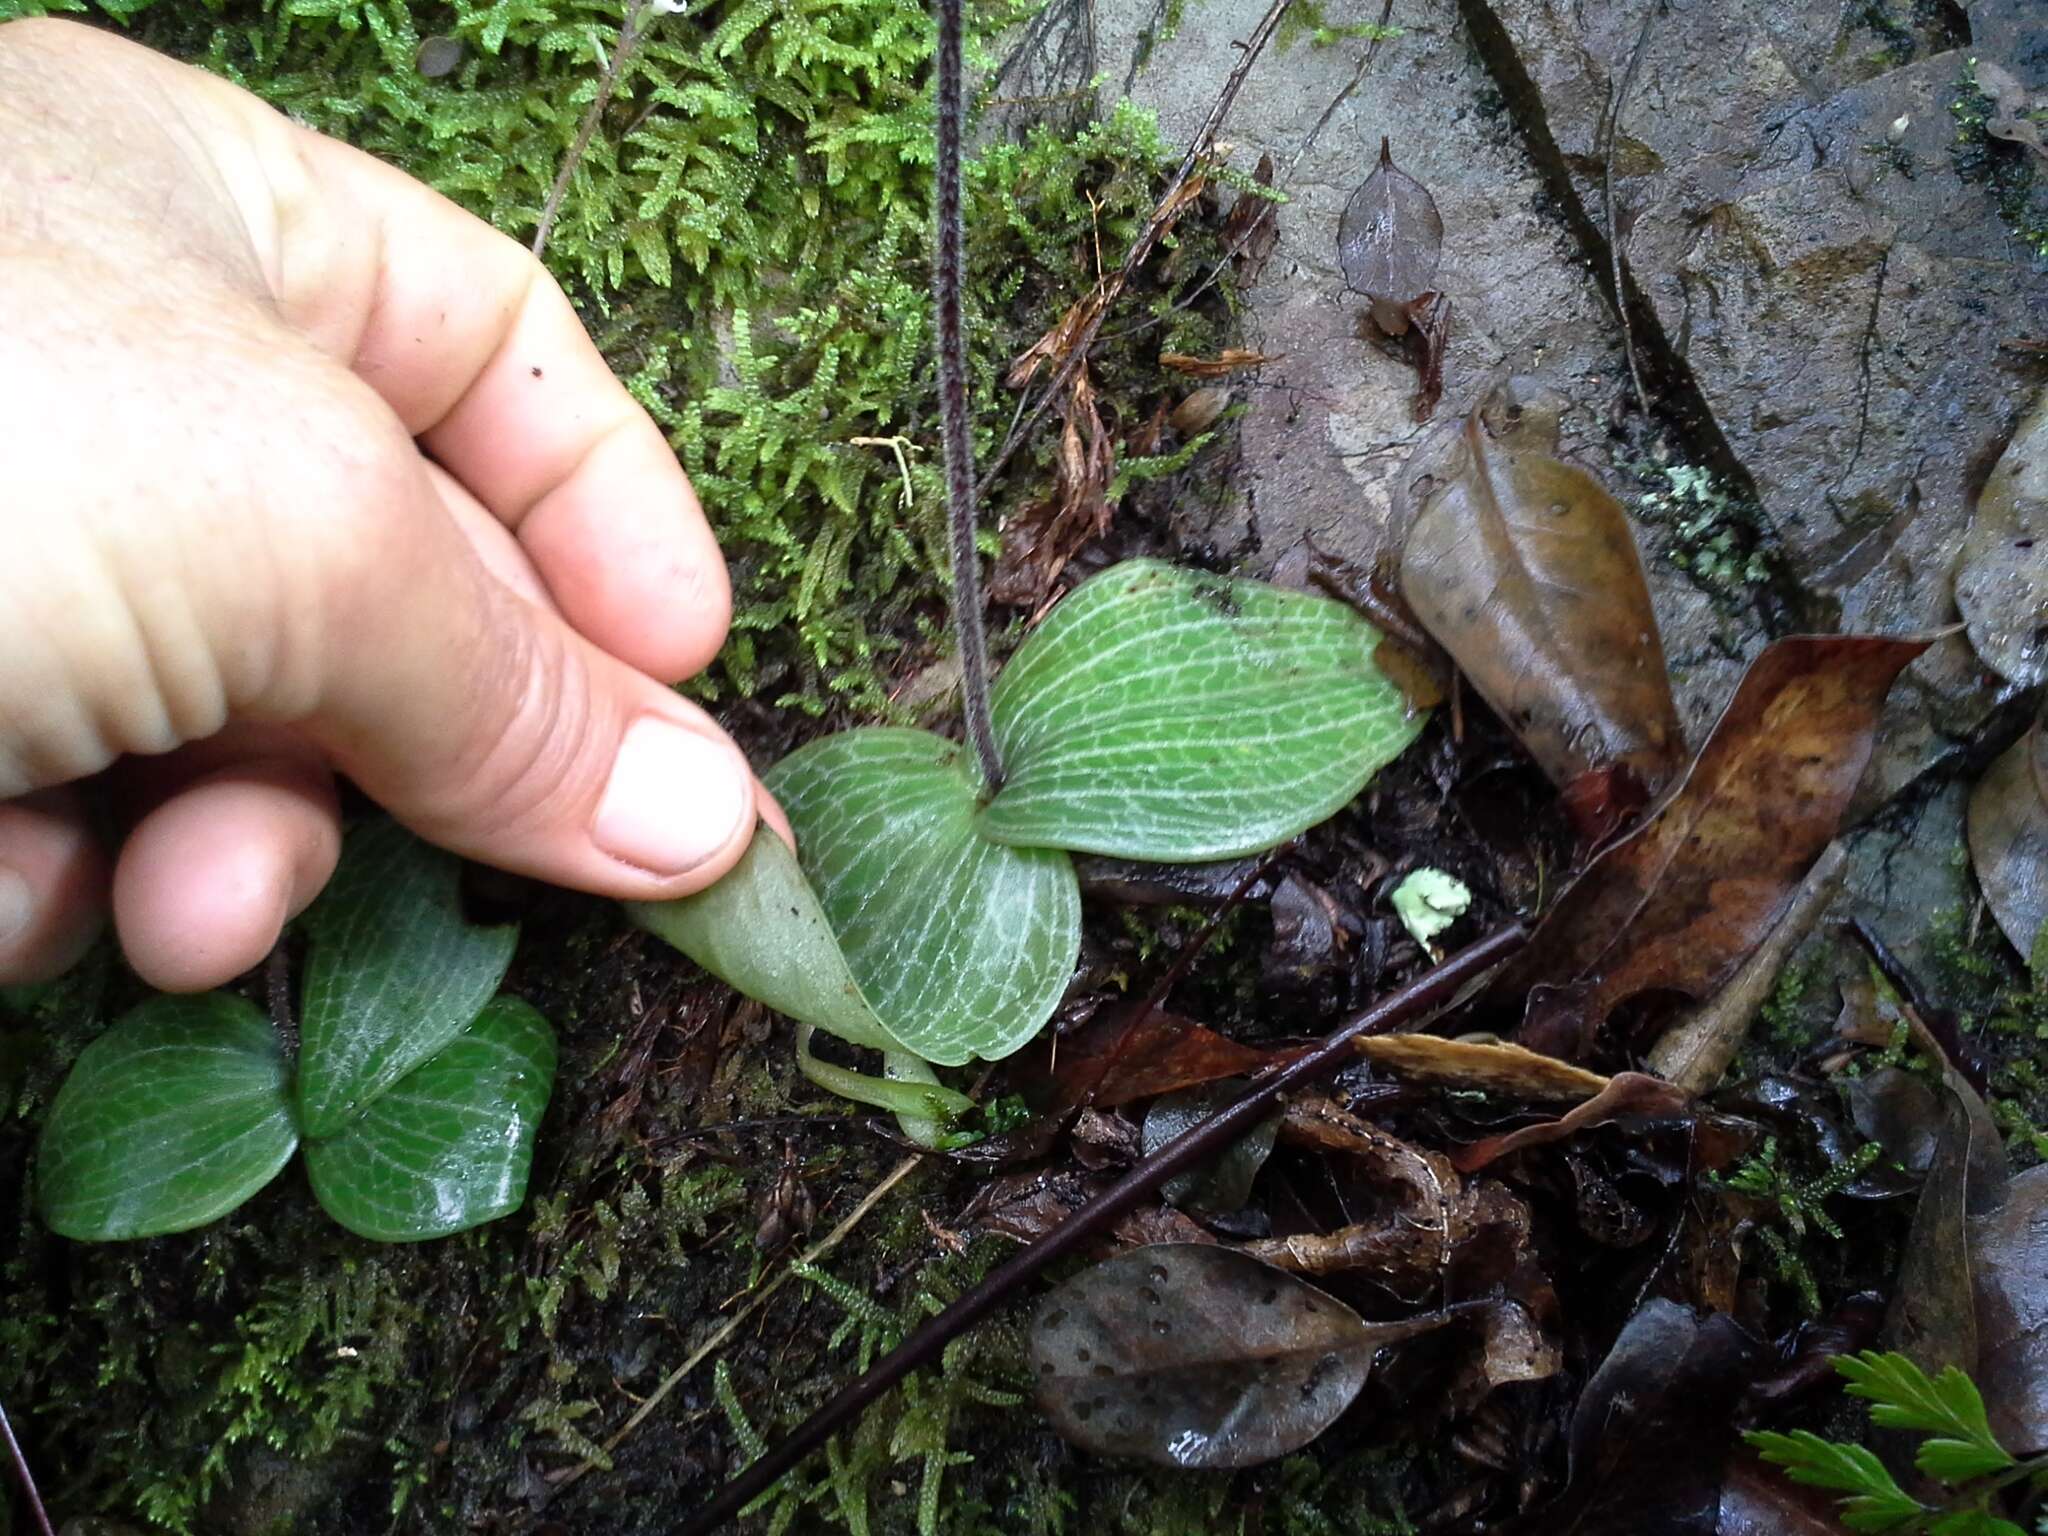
(1199,1143)
(27,1478)
(1938,1022)
(622,50)
(948,279)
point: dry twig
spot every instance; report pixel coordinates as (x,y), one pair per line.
(629,39)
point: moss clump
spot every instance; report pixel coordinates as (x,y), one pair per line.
(1715,536)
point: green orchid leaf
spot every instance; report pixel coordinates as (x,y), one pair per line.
(761,930)
(449,1145)
(170,1119)
(962,946)
(1168,714)
(393,972)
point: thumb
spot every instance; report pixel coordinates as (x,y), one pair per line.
(484,722)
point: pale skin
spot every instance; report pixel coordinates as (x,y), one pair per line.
(304,471)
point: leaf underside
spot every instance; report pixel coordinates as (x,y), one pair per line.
(449,1145)
(1167,714)
(171,1119)
(393,972)
(960,944)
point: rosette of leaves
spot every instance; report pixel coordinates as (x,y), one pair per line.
(1158,713)
(414,1096)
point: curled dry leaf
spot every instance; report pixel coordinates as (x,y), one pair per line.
(1626,1094)
(1679,903)
(1039,539)
(2008,828)
(2002,574)
(1253,228)
(1197,1356)
(1225,363)
(1525,570)
(1490,1066)
(1389,241)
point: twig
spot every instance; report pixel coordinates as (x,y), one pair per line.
(1141,247)
(1939,1025)
(629,39)
(1616,100)
(949,277)
(703,1352)
(26,1477)
(1280,183)
(1694,1052)
(1193,1146)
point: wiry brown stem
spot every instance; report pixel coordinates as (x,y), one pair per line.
(24,1477)
(948,279)
(629,39)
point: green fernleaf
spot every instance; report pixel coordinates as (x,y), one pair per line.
(1903,1396)
(1957,1461)
(449,1145)
(170,1119)
(1165,713)
(962,946)
(393,972)
(1879,1504)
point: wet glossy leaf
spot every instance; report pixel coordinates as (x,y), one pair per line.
(2002,575)
(1197,1356)
(1164,713)
(1679,902)
(1526,571)
(961,945)
(1391,236)
(1626,1094)
(1114,1060)
(2008,828)
(2009,1252)
(393,972)
(1224,1184)
(170,1119)
(449,1145)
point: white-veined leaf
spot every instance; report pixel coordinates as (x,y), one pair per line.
(1168,714)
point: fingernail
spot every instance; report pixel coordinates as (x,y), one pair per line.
(17,906)
(675,798)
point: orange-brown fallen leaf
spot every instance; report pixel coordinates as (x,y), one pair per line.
(1626,1093)
(1225,363)
(1677,904)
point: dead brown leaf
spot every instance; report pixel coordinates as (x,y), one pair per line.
(1389,241)
(1679,903)
(1039,539)
(1626,1093)
(1253,228)
(2014,113)
(1108,1063)
(2008,829)
(1230,360)
(2002,573)
(1525,570)
(1491,1066)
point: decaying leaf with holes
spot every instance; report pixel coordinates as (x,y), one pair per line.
(1676,904)
(1525,570)
(2002,575)
(1193,1355)
(2008,830)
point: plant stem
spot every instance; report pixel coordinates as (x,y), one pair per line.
(622,50)
(27,1478)
(1426,992)
(948,279)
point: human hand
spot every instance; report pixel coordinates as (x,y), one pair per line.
(304,469)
